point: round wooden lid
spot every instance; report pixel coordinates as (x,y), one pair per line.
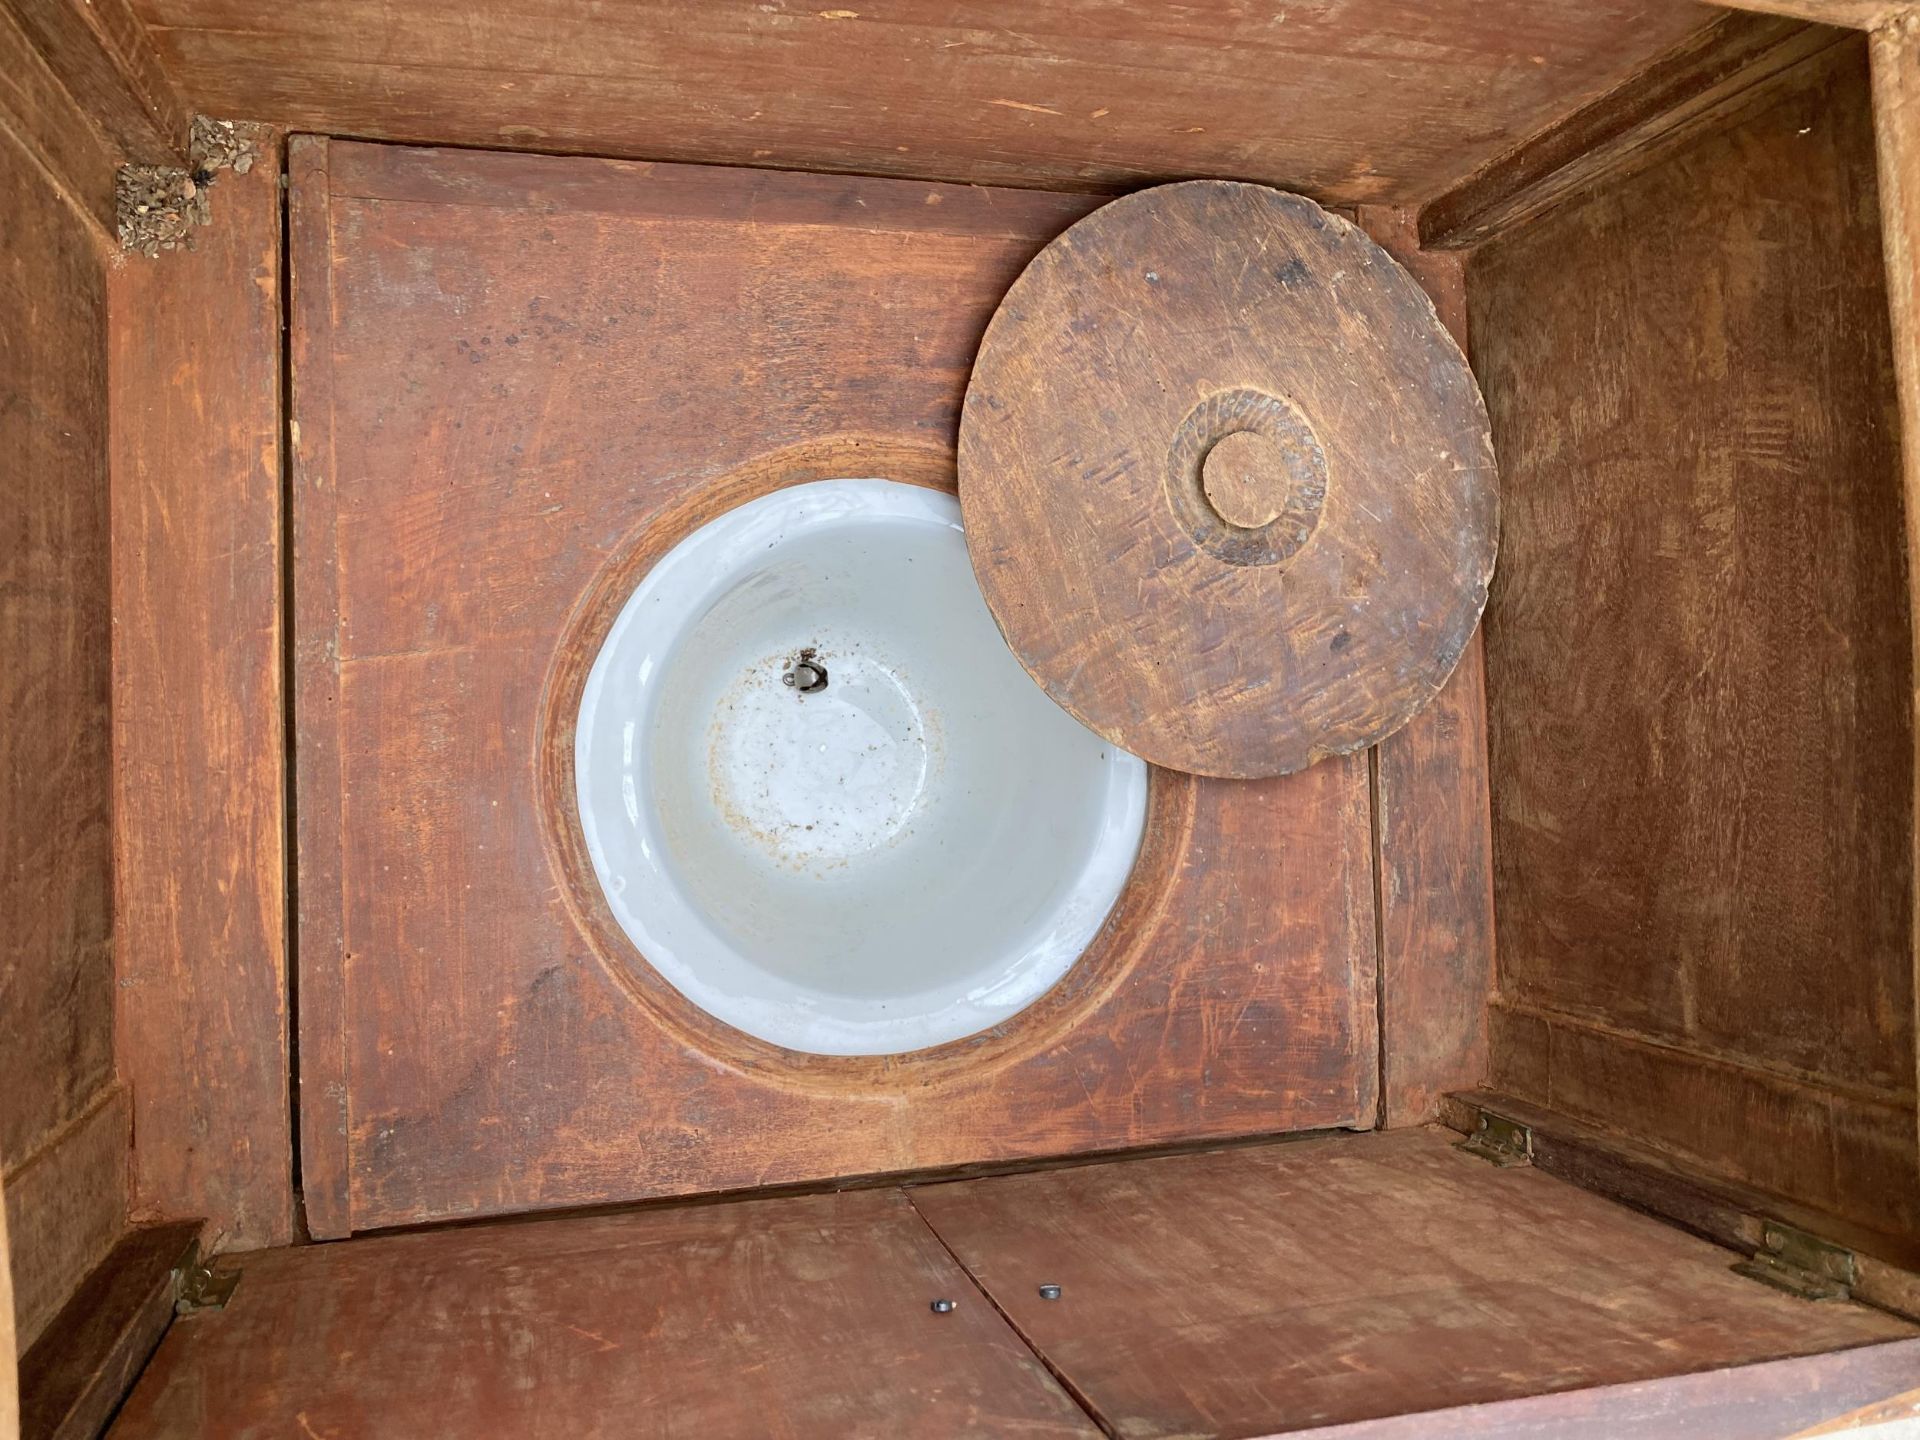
(1227,481)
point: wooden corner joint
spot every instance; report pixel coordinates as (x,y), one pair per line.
(158,207)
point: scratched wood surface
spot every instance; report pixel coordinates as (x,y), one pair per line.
(1706,80)
(1870,1389)
(78,1372)
(66,1207)
(45,121)
(514,375)
(1349,102)
(55,865)
(105,58)
(784,1319)
(58,1118)
(1895,70)
(1307,598)
(199,776)
(1277,1287)
(1698,660)
(1433,837)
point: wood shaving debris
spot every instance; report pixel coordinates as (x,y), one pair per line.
(158,206)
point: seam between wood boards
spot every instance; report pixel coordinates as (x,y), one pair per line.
(336,757)
(1005,237)
(1060,1377)
(1378,855)
(311,231)
(289,728)
(1719,1059)
(12,1168)
(1021,182)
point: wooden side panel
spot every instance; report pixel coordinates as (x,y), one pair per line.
(1850,1154)
(78,1373)
(510,369)
(784,1319)
(1333,1280)
(51,131)
(1699,678)
(66,1207)
(62,1126)
(1432,826)
(55,866)
(200,878)
(1895,66)
(1381,101)
(107,61)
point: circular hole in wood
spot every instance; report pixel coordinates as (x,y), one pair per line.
(908,855)
(1090,985)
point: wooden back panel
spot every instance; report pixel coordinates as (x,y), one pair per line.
(516,379)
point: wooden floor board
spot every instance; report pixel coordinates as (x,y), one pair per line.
(776,1318)
(1235,1293)
(1262,1290)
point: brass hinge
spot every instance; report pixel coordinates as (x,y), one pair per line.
(1800,1264)
(198,1286)
(1500,1140)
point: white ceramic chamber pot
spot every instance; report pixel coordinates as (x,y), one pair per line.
(821,796)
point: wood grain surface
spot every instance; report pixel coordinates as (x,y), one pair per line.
(769,1320)
(1854,14)
(1432,828)
(56,867)
(78,1372)
(199,770)
(1348,102)
(1869,1388)
(321,1080)
(50,129)
(105,58)
(514,375)
(1706,80)
(1729,1213)
(1154,336)
(55,861)
(66,1208)
(1324,1281)
(1699,660)
(1895,69)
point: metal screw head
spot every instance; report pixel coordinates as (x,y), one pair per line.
(1049,1292)
(942,1307)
